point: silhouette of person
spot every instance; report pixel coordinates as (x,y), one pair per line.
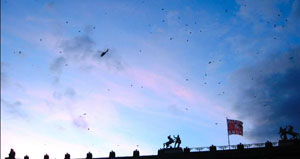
(177,141)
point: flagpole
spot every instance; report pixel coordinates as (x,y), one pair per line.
(228,142)
(228,134)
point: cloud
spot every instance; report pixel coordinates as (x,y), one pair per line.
(4,76)
(15,104)
(163,85)
(175,95)
(79,47)
(70,92)
(57,95)
(82,51)
(173,108)
(295,14)
(172,17)
(265,9)
(13,109)
(57,67)
(294,18)
(111,60)
(265,14)
(268,94)
(80,122)
(50,5)
(75,50)
(57,64)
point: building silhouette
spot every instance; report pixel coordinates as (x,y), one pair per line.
(284,149)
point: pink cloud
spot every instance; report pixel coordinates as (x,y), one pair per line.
(172,90)
(165,86)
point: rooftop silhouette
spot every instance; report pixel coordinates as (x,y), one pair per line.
(287,148)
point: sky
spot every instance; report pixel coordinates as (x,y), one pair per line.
(172,67)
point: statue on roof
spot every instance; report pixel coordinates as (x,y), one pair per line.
(282,132)
(177,141)
(168,143)
(288,130)
(291,132)
(12,154)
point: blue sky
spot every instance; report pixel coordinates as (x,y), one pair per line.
(173,67)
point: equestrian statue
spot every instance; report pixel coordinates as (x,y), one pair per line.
(176,140)
(288,130)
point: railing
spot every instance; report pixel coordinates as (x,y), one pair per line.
(231,147)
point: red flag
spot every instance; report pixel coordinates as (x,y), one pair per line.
(235,127)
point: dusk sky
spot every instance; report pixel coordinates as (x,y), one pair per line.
(173,67)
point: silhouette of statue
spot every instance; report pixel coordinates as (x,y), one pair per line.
(136,154)
(291,128)
(89,155)
(12,154)
(168,143)
(177,141)
(112,154)
(67,156)
(46,156)
(26,157)
(282,132)
(291,132)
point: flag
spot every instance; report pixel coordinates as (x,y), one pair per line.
(234,127)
